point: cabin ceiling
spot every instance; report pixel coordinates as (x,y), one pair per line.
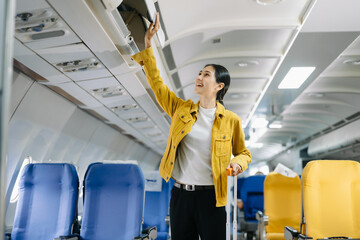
(257,43)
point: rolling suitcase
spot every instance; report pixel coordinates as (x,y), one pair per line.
(231,178)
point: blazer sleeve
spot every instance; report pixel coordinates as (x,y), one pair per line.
(165,97)
(242,155)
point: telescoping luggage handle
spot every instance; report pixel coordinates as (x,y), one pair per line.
(229,172)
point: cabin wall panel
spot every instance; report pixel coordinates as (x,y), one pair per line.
(20,86)
(49,128)
(36,122)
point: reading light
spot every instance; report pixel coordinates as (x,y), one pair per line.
(295,77)
(275,125)
(355,62)
(244,64)
(314,94)
(238,95)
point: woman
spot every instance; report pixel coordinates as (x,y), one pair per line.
(201,139)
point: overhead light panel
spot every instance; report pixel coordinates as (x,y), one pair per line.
(295,77)
(38,25)
(79,65)
(137,119)
(124,108)
(108,92)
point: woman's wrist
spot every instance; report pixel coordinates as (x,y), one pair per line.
(147,43)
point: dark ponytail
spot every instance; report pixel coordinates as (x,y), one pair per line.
(222,76)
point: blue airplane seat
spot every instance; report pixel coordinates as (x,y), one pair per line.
(113,202)
(240,182)
(47,203)
(252,194)
(157,210)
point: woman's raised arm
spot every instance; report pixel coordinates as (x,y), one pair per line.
(165,97)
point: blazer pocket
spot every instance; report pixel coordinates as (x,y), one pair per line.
(222,144)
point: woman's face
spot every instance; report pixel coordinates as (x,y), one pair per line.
(205,82)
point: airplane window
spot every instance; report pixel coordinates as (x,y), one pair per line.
(15,193)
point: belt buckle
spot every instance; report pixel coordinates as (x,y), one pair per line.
(190,187)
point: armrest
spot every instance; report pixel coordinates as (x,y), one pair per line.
(259,215)
(142,237)
(151,232)
(69,237)
(167,220)
(303,237)
(263,219)
(290,233)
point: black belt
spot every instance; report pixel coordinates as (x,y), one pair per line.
(191,188)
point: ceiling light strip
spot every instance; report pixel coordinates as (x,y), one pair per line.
(295,77)
(291,42)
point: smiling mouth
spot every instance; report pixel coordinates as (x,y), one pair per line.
(199,85)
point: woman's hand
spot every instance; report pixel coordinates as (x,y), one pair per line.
(152,30)
(237,169)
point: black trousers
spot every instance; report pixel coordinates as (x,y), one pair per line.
(194,214)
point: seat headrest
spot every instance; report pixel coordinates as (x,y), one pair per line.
(331,190)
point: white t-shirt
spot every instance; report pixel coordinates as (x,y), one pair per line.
(193,159)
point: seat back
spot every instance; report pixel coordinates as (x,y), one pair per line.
(331,192)
(252,193)
(282,203)
(157,208)
(113,201)
(47,203)
(240,182)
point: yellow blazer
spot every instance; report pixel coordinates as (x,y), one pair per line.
(227,132)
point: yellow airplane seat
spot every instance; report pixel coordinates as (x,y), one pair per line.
(331,200)
(282,204)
